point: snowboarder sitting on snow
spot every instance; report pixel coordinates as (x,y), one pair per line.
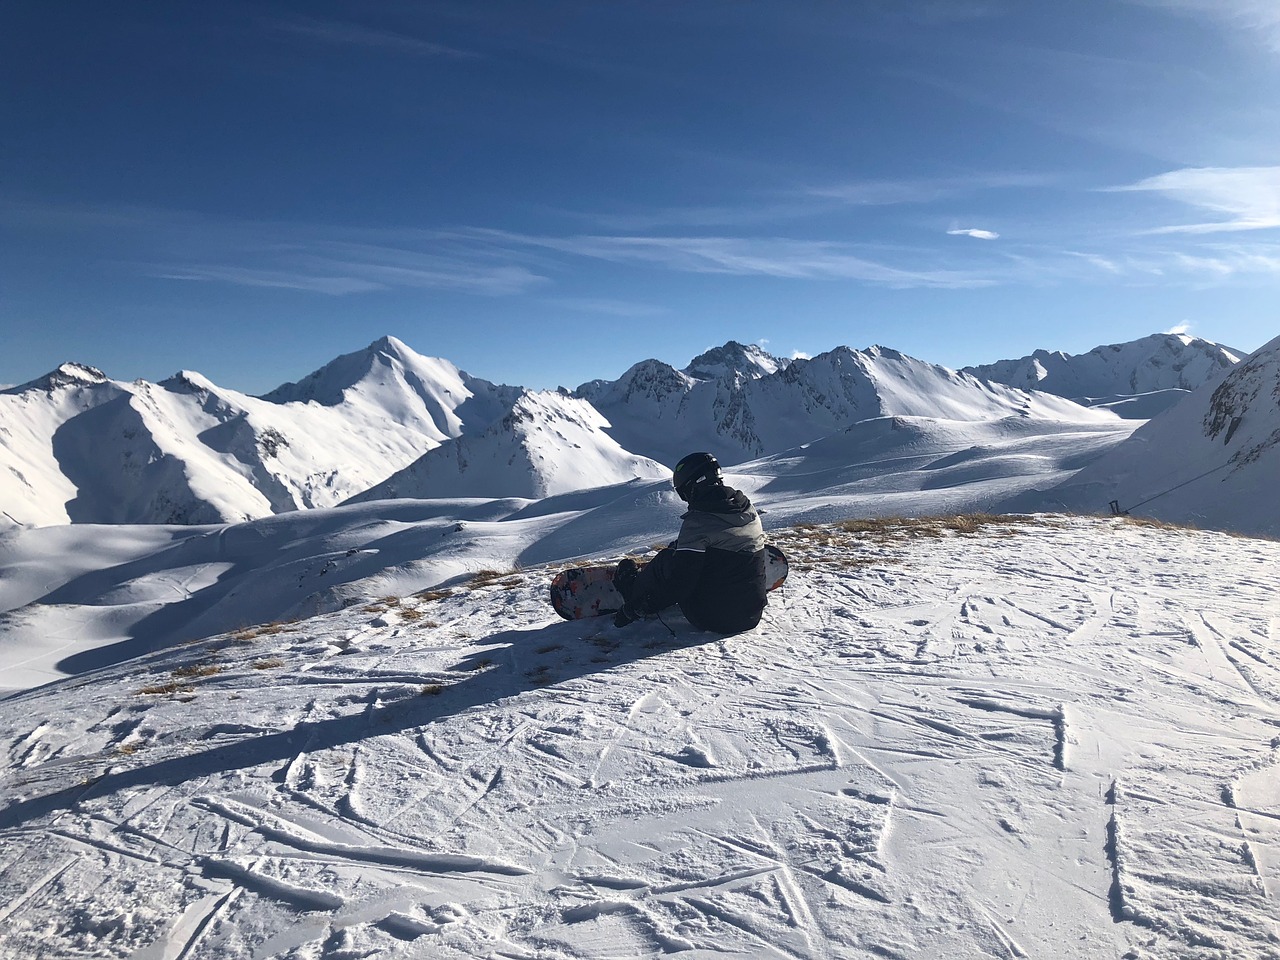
(715,569)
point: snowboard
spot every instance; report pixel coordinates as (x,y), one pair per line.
(589,591)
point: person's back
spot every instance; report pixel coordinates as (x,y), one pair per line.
(715,570)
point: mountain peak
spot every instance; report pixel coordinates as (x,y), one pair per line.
(734,357)
(391,347)
(68,374)
(328,385)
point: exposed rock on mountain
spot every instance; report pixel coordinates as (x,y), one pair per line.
(1210,461)
(746,360)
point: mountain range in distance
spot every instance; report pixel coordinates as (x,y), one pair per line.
(387,422)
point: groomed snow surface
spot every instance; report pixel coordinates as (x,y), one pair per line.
(1034,737)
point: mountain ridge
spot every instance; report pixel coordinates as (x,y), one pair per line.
(1161,361)
(81,447)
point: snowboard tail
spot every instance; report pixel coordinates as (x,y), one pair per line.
(583,592)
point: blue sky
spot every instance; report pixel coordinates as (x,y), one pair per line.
(545,193)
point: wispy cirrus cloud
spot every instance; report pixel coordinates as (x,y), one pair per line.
(608,307)
(893,192)
(341,269)
(767,257)
(1244,198)
(335,261)
(1260,17)
(343,33)
(975,232)
(258,277)
(795,203)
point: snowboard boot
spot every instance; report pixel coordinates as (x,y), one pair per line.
(624,576)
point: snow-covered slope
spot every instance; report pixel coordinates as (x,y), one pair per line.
(1213,460)
(1151,365)
(917,466)
(1040,740)
(77,446)
(663,413)
(73,597)
(549,443)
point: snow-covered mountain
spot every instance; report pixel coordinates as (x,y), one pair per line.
(548,443)
(1211,461)
(745,360)
(752,409)
(81,447)
(1137,379)
(78,446)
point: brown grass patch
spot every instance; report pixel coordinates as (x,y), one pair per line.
(431,595)
(1156,524)
(270,663)
(432,689)
(264,630)
(194,670)
(165,689)
(911,527)
(483,578)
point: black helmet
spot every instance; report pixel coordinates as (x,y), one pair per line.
(691,470)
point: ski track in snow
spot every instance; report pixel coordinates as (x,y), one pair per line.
(1041,740)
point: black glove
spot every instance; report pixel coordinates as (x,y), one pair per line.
(625,616)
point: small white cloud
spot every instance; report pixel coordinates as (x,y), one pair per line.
(975,233)
(800,355)
(763,342)
(1179,329)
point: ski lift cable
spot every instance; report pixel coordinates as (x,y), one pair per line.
(1115,506)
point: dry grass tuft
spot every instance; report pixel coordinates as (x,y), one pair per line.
(431,595)
(269,663)
(483,578)
(193,670)
(860,542)
(265,630)
(382,605)
(165,689)
(912,527)
(432,689)
(1156,524)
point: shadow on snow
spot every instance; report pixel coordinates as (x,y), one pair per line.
(503,668)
